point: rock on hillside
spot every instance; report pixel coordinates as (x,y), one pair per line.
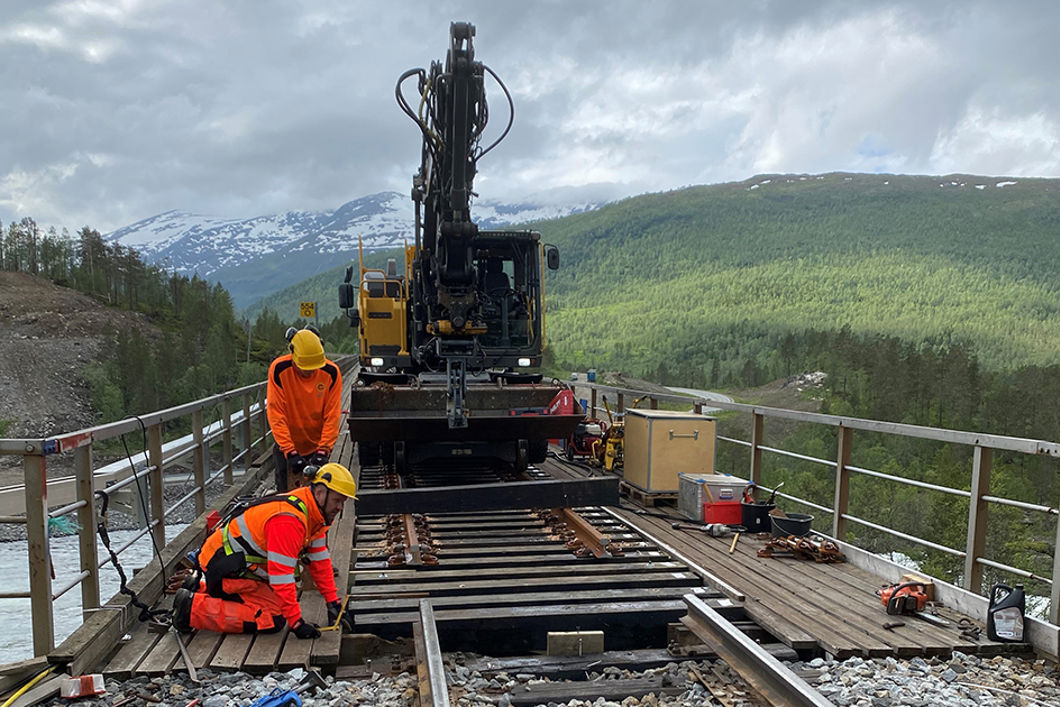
(48,334)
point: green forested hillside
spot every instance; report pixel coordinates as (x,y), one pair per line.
(726,271)
(709,280)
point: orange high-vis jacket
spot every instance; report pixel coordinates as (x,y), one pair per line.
(276,532)
(304,412)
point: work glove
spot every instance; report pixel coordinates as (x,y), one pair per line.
(304,629)
(319,458)
(295,462)
(334,609)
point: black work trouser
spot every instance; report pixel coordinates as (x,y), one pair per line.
(280,473)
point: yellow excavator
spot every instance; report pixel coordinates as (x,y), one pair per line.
(451,341)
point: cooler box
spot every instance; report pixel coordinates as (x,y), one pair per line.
(695,490)
(660,444)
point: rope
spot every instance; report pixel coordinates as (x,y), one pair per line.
(147,614)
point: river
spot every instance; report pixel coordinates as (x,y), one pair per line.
(16,641)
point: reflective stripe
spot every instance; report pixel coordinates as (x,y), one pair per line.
(281,559)
(281,579)
(318,543)
(246,538)
(319,555)
(258,571)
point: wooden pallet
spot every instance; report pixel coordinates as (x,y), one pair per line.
(646,498)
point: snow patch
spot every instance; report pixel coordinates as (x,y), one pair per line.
(999,185)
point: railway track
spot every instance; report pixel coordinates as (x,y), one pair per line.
(551,595)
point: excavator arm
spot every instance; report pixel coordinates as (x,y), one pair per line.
(451,113)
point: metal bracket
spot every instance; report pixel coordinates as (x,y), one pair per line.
(456,374)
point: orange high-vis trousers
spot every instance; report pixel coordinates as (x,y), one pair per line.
(257,612)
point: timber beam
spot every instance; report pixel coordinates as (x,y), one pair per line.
(554,493)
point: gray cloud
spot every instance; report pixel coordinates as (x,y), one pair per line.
(115,110)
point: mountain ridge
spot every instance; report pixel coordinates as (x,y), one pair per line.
(243,253)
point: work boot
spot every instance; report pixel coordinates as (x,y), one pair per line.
(182,610)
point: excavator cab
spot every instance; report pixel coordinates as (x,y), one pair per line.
(381,318)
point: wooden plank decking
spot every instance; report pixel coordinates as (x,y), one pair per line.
(808,606)
(804,603)
(147,653)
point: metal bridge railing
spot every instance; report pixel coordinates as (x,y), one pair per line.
(245,426)
(983,447)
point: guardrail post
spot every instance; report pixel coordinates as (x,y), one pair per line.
(157,483)
(86,518)
(978,510)
(226,416)
(842,483)
(757,426)
(653,404)
(248,440)
(262,410)
(40,574)
(198,461)
(592,402)
(1054,603)
(621,403)
(697,408)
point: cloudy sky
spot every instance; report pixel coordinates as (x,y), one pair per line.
(115,110)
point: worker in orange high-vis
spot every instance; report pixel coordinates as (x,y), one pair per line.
(248,562)
(304,406)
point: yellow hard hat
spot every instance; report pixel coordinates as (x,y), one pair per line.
(337,478)
(306,350)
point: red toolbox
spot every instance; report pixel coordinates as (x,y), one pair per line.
(725,512)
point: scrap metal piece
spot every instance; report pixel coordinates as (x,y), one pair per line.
(813,548)
(192,674)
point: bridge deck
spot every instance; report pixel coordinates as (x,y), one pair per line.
(822,607)
(153,654)
(805,605)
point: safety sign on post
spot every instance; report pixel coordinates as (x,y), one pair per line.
(307,310)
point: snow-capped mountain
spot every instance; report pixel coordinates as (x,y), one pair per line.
(243,254)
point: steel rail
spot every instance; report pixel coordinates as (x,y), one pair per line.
(429,657)
(715,581)
(584,531)
(771,678)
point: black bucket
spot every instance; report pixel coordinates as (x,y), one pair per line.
(795,524)
(755,516)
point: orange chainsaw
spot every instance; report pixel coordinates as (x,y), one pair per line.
(904,599)
(908,599)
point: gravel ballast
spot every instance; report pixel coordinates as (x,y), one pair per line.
(958,681)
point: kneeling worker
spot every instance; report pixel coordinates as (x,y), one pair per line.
(249,562)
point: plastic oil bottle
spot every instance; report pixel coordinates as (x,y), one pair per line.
(1004,616)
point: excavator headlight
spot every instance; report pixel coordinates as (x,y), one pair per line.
(524,362)
(377,361)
